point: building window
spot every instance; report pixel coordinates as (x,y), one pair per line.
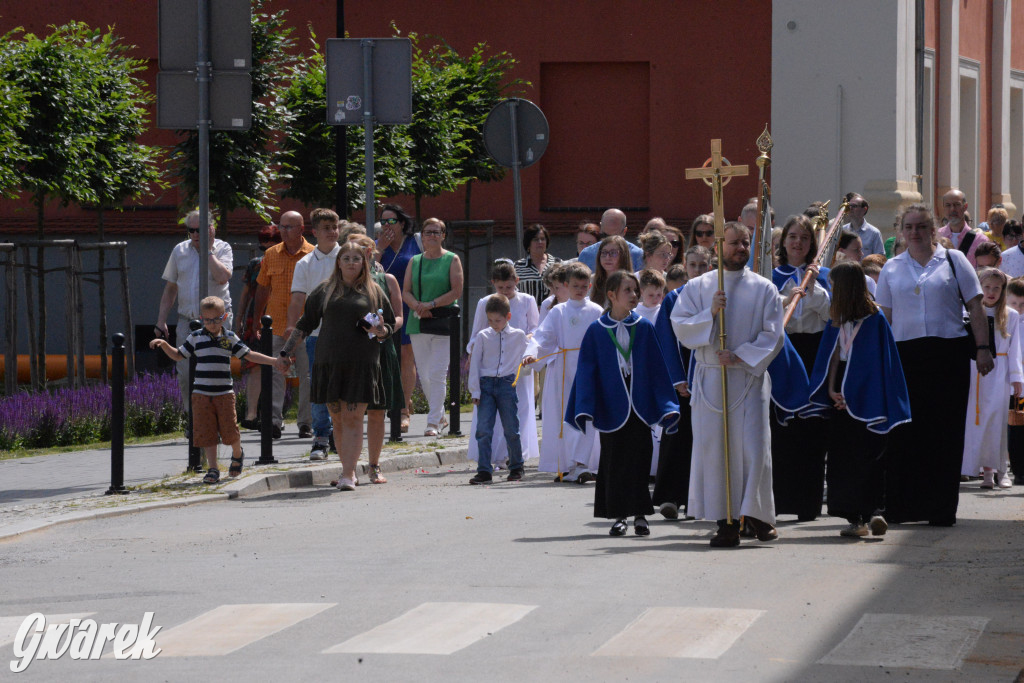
(970,73)
(928,131)
(1016,142)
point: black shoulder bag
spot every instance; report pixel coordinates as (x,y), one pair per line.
(972,348)
(440,320)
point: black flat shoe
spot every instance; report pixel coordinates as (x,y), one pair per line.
(619,528)
(641,528)
(585,477)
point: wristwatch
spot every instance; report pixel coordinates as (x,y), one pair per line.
(984,347)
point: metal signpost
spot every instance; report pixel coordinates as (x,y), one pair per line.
(369,81)
(516,136)
(204,83)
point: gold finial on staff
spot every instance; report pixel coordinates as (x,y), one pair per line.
(763,238)
(716,174)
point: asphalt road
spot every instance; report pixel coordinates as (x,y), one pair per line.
(427,578)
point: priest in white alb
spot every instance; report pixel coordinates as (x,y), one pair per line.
(753,325)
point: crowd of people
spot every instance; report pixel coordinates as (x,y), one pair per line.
(827,376)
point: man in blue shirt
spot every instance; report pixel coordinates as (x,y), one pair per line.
(870,236)
(613,222)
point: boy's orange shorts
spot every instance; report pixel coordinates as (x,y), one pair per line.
(213,415)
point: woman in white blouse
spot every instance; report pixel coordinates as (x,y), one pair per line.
(798,446)
(923,292)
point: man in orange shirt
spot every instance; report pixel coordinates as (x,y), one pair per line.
(273,291)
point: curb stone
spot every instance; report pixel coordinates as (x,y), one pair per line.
(250,486)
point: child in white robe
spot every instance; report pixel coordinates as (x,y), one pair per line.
(1015,433)
(569,453)
(652,291)
(554,278)
(985,438)
(524,317)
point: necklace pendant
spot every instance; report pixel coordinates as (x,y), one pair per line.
(917,289)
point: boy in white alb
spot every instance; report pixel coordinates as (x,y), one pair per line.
(498,350)
(571,454)
(524,315)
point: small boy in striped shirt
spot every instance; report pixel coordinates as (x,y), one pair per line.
(213,395)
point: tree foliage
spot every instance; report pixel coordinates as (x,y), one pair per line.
(14,116)
(306,153)
(241,161)
(439,151)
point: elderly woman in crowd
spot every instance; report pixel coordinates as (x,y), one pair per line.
(923,292)
(530,269)
(432,283)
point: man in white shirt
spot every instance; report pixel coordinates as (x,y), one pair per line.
(963,237)
(312,269)
(870,236)
(182,276)
(613,222)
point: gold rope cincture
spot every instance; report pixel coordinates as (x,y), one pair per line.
(977,395)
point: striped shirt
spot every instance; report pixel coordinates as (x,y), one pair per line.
(213,360)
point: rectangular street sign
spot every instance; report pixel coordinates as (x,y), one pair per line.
(230,35)
(392,81)
(177,98)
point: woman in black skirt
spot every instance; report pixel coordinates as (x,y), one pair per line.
(923,292)
(798,447)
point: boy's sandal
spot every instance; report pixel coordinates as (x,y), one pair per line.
(212,476)
(375,476)
(236,465)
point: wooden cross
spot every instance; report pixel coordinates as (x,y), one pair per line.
(712,176)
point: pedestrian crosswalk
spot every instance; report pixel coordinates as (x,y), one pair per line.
(447,628)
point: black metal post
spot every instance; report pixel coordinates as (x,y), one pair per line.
(117,418)
(195,454)
(395,414)
(266,395)
(455,377)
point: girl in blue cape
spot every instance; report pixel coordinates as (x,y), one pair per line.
(858,384)
(622,386)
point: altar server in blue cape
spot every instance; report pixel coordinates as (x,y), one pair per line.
(858,384)
(798,450)
(672,483)
(753,324)
(621,386)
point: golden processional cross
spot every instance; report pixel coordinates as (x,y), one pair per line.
(716,175)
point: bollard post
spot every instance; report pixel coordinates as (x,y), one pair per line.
(266,395)
(455,377)
(195,454)
(117,418)
(395,414)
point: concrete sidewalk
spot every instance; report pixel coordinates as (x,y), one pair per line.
(43,490)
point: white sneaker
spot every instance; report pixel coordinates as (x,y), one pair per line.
(346,484)
(855,530)
(878,525)
(319,450)
(1004,480)
(988,479)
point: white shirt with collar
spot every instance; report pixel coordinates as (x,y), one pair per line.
(870,238)
(311,270)
(495,354)
(183,270)
(924,299)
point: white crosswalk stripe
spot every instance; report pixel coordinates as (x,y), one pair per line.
(436,628)
(688,632)
(908,640)
(231,627)
(9,625)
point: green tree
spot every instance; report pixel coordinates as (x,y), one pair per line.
(477,83)
(306,152)
(58,77)
(241,161)
(14,115)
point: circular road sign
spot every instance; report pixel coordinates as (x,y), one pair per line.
(532,132)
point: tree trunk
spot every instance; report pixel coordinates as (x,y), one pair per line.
(41,287)
(469,195)
(370,227)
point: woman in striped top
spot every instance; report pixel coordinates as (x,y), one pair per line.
(530,269)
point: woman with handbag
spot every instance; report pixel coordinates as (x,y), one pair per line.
(432,284)
(923,292)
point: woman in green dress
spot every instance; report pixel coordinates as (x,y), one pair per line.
(433,280)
